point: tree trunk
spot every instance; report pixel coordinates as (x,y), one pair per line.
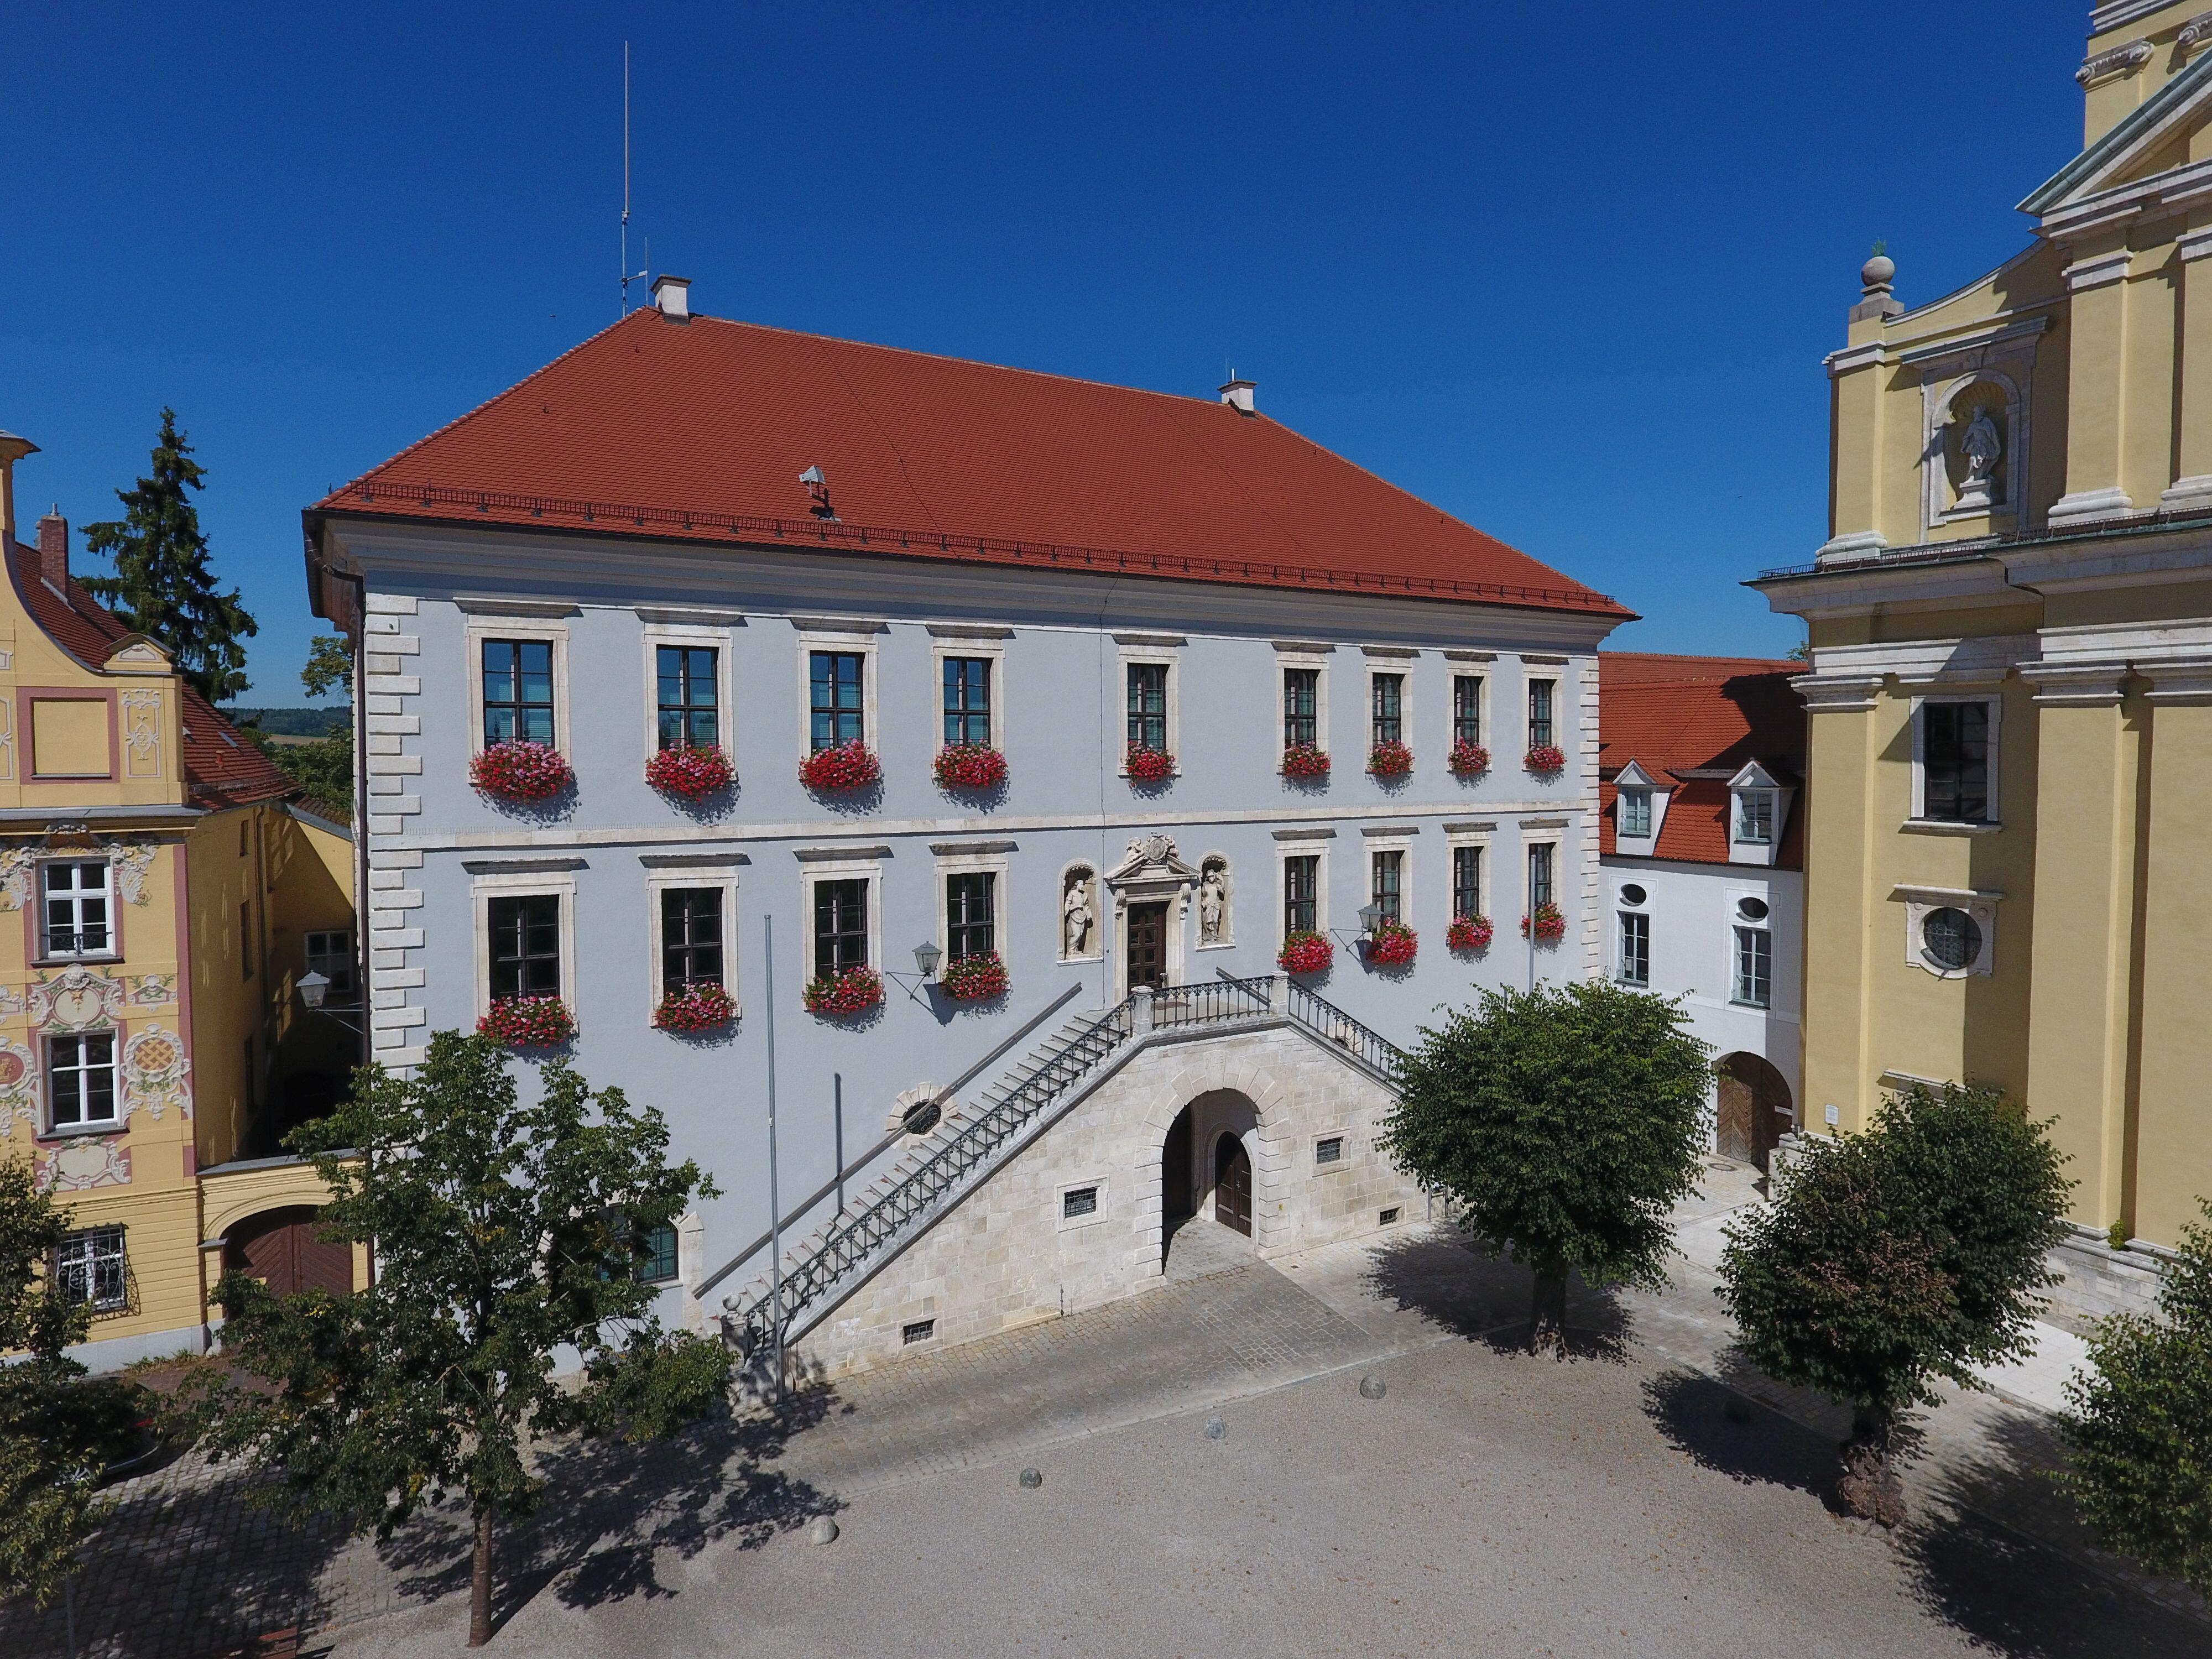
(1547,1310)
(480,1581)
(1869,1487)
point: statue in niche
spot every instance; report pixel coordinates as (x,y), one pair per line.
(1077,916)
(1981,448)
(1213,903)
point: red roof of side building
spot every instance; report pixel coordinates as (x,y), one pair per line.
(699,431)
(1692,723)
(222,769)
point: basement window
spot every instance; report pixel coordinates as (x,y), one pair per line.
(1078,1200)
(1387,1216)
(921,1331)
(1329,1150)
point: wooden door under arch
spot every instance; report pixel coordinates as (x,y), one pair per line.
(1754,1109)
(1232,1185)
(280,1248)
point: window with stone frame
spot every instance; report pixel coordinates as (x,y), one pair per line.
(690,938)
(1541,693)
(1466,881)
(1635,968)
(1300,706)
(686,677)
(1539,875)
(524,933)
(81,1083)
(841,925)
(518,690)
(1302,893)
(967,701)
(1954,760)
(1386,890)
(1467,708)
(1388,694)
(970,929)
(1148,706)
(835,712)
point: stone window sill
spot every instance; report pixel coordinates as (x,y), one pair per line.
(1947,827)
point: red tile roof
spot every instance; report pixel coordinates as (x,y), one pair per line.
(221,768)
(699,431)
(1692,722)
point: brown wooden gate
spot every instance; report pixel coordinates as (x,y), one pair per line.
(280,1249)
(1232,1185)
(1146,945)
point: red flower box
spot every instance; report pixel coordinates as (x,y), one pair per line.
(690,773)
(1468,934)
(1545,923)
(1468,760)
(528,1022)
(1390,759)
(520,770)
(854,991)
(1149,765)
(1304,760)
(975,978)
(1545,757)
(848,766)
(695,1008)
(1392,945)
(1306,953)
(969,765)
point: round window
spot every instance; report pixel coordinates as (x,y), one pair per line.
(1752,909)
(1631,894)
(1952,939)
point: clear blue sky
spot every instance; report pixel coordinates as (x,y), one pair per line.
(1568,271)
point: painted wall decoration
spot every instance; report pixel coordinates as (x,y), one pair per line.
(153,990)
(19,1087)
(17,860)
(141,734)
(132,860)
(6,734)
(13,1001)
(91,1161)
(77,1000)
(156,1074)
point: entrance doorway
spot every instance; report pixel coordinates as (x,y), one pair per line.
(1178,1181)
(1754,1109)
(1145,935)
(1232,1185)
(280,1248)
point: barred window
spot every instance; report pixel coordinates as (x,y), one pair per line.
(89,1269)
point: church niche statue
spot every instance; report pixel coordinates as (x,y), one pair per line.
(1079,915)
(1214,902)
(1980,448)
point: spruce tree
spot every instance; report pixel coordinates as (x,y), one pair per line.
(163,587)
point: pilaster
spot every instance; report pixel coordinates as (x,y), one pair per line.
(1839,804)
(2095,418)
(2192,490)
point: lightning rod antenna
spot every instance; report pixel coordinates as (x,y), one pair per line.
(627,275)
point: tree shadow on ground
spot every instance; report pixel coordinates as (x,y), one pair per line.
(1458,1285)
(1717,1427)
(611,1509)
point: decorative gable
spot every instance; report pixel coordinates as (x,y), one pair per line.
(134,653)
(1758,808)
(1632,776)
(2139,150)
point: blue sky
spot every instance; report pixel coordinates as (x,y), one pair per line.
(1567,271)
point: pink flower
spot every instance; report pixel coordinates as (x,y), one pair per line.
(518,769)
(1468,759)
(1545,922)
(1304,760)
(690,773)
(1306,953)
(695,1008)
(1468,934)
(854,991)
(528,1022)
(848,766)
(975,978)
(1149,765)
(1545,757)
(1392,945)
(969,765)
(1390,759)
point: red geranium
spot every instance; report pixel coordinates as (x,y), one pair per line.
(1545,757)
(1468,934)
(975,978)
(1304,760)
(1392,945)
(1468,759)
(518,769)
(695,1008)
(528,1022)
(1149,765)
(1306,953)
(1546,922)
(1390,759)
(852,992)
(848,766)
(969,765)
(690,773)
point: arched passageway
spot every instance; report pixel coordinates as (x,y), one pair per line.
(281,1248)
(1754,1109)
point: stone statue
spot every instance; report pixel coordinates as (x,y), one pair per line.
(1075,912)
(1213,903)
(1980,447)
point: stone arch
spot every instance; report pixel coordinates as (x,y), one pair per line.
(1214,1070)
(1753,1110)
(282,1247)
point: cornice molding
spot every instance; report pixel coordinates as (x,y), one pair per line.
(1993,337)
(2129,57)
(2118,14)
(2086,274)
(1838,693)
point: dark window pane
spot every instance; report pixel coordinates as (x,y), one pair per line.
(1540,713)
(1955,760)
(1389,697)
(525,945)
(1388,867)
(1148,705)
(1466,881)
(1301,704)
(1302,894)
(1539,875)
(687,708)
(656,1264)
(690,938)
(1635,949)
(968,700)
(969,930)
(518,690)
(834,683)
(1467,708)
(841,925)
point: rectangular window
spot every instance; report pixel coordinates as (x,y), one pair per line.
(1466,881)
(1388,869)
(1539,875)
(1467,708)
(1300,706)
(1754,966)
(1148,706)
(89,1269)
(920,1331)
(525,945)
(690,938)
(1635,948)
(656,1265)
(967,701)
(1329,1150)
(1078,1200)
(1754,817)
(1539,712)
(81,1078)
(686,677)
(76,908)
(1388,692)
(330,955)
(1302,894)
(245,938)
(967,914)
(518,690)
(1954,751)
(841,925)
(834,683)
(1635,813)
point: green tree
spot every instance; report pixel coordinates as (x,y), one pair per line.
(1895,1257)
(163,586)
(1567,1122)
(2140,1434)
(505,1231)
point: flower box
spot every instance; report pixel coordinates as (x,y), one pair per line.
(969,765)
(1392,945)
(1468,760)
(693,774)
(975,978)
(848,766)
(1468,934)
(520,770)
(1545,922)
(852,992)
(1149,765)
(1304,760)
(528,1022)
(1545,757)
(695,1008)
(1390,759)
(1306,953)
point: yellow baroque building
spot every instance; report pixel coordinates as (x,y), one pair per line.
(159,899)
(2010,857)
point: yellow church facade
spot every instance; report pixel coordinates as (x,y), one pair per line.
(2009,875)
(159,898)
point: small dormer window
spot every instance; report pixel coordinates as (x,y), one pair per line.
(1635,814)
(1754,817)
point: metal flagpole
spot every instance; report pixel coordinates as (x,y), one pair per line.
(775,1204)
(838,1109)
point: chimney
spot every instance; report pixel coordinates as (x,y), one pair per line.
(671,298)
(12,450)
(53,550)
(1238,394)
